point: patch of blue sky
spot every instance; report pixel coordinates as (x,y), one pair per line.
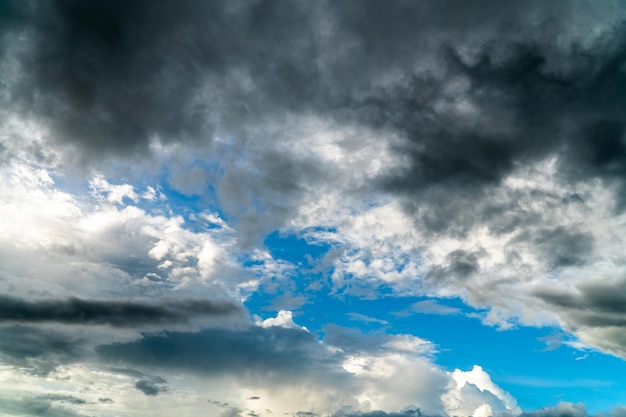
(298,248)
(535,365)
(519,359)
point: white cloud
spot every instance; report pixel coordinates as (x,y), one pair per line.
(90,249)
(112,193)
(283,319)
(473,393)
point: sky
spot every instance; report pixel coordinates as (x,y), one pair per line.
(312,208)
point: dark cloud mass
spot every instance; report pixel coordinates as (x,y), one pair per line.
(112,75)
(597,305)
(39,351)
(267,353)
(473,92)
(116,313)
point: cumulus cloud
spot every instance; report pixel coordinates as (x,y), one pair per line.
(283,319)
(475,394)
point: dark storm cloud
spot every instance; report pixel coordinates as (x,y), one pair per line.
(535,101)
(273,352)
(113,74)
(39,351)
(116,313)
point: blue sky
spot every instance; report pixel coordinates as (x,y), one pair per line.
(321,209)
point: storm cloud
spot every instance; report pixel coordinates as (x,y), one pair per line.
(116,313)
(39,351)
(258,352)
(115,75)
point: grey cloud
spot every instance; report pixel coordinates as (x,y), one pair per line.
(353,341)
(459,265)
(118,313)
(560,247)
(595,311)
(113,75)
(273,352)
(380,413)
(563,409)
(35,406)
(595,304)
(151,387)
(70,399)
(38,351)
(432,307)
(367,319)
(617,412)
(530,106)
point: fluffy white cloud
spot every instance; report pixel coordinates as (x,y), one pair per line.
(473,393)
(283,319)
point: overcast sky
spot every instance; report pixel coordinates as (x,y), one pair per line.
(312,208)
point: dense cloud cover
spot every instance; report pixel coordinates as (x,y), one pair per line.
(151,151)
